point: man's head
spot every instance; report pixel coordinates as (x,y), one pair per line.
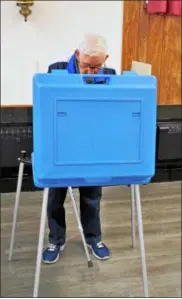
(92,54)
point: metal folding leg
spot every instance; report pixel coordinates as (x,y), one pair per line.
(41,242)
(17,199)
(90,263)
(141,240)
(133,221)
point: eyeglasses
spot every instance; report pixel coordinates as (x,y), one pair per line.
(90,67)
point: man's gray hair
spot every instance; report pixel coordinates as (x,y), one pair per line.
(93,44)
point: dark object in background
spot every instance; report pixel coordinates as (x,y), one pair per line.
(169,144)
(169,141)
(14,138)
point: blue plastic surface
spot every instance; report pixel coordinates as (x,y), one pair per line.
(93,134)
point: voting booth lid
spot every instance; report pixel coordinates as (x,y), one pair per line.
(91,130)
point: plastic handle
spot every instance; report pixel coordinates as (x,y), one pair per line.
(96,79)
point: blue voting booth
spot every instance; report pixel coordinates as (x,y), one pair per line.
(93,130)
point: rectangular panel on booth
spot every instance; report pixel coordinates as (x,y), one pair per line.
(88,134)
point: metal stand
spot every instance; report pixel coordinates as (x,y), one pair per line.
(23,160)
(133,222)
(141,240)
(135,196)
(41,242)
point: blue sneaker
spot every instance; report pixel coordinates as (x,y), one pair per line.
(99,250)
(52,253)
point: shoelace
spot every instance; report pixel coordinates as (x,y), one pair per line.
(100,245)
(52,247)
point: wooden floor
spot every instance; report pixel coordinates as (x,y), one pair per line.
(118,277)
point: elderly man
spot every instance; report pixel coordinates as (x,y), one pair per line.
(89,58)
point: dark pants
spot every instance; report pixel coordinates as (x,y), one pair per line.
(89,211)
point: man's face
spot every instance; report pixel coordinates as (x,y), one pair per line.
(90,64)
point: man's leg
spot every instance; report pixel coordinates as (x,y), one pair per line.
(90,217)
(56,223)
